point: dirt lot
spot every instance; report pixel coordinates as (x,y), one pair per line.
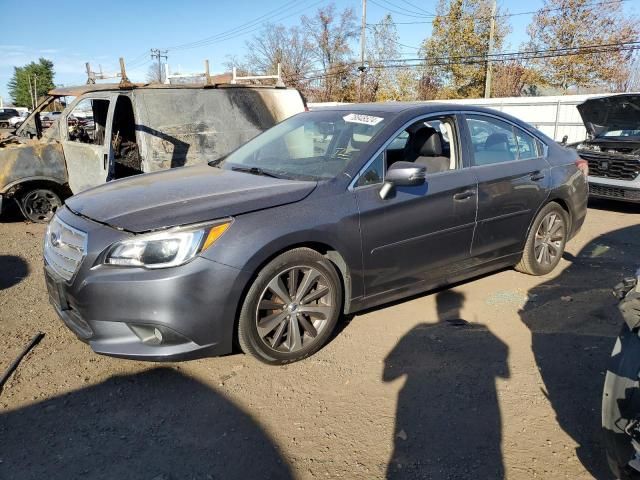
(497,377)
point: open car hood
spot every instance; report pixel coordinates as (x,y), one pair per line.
(184,196)
(614,112)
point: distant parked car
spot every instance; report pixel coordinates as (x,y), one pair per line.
(5,115)
(328,212)
(48,118)
(613,146)
(16,121)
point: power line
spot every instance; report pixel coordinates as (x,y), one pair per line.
(497,57)
(406,13)
(404,10)
(515,14)
(417,7)
(247,27)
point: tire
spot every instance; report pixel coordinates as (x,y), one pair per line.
(4,124)
(298,320)
(39,205)
(548,234)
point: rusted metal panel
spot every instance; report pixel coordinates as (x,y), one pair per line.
(33,160)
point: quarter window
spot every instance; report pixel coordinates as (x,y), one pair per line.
(373,174)
(526,145)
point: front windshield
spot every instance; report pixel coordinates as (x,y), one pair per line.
(312,145)
(29,128)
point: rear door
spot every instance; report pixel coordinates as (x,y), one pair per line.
(86,140)
(513,179)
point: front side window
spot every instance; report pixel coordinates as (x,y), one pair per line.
(86,123)
(312,145)
(428,142)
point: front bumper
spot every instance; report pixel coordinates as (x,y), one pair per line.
(624,190)
(158,315)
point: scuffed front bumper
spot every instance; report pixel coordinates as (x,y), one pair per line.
(158,315)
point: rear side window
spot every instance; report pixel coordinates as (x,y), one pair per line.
(493,140)
(496,141)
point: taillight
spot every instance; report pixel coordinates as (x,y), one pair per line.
(583,166)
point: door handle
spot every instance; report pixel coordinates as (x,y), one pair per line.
(464,195)
(105,158)
(536,176)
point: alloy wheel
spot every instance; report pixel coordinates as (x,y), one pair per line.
(294,308)
(549,239)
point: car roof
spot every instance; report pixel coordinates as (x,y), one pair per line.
(408,107)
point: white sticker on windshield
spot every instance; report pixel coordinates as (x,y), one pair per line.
(364,119)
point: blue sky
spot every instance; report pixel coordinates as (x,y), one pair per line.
(70,36)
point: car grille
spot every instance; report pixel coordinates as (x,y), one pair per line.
(613,192)
(618,168)
(64,248)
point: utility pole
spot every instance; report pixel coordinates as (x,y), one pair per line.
(492,29)
(363,34)
(31,93)
(159,54)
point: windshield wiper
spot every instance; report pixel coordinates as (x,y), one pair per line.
(255,171)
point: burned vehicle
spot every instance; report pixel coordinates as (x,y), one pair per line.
(109,132)
(613,146)
(621,393)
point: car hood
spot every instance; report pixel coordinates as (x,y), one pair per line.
(184,196)
(615,112)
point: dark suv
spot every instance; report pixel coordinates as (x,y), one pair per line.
(328,212)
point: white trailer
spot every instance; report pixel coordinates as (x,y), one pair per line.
(556,116)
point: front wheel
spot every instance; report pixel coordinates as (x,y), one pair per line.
(291,308)
(546,241)
(39,205)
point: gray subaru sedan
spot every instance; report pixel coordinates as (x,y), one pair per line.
(327,213)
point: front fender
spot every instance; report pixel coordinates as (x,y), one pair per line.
(31,161)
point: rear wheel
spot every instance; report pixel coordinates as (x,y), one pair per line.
(546,241)
(39,205)
(291,308)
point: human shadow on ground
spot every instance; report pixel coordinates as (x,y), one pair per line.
(574,321)
(159,424)
(13,270)
(448,421)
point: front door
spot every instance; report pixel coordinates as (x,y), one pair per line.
(417,234)
(86,141)
(513,178)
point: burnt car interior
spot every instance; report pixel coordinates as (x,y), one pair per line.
(123,140)
(87,124)
(87,121)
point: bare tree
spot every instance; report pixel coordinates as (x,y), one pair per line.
(328,40)
(274,45)
(155,76)
(511,79)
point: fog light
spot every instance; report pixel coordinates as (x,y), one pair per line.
(148,335)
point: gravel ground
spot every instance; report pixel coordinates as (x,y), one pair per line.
(499,377)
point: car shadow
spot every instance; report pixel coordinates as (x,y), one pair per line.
(574,322)
(613,205)
(159,424)
(448,422)
(13,270)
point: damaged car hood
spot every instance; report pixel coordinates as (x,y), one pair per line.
(615,112)
(184,196)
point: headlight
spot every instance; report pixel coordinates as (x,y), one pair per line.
(164,249)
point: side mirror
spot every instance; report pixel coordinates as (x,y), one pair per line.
(564,140)
(403,174)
